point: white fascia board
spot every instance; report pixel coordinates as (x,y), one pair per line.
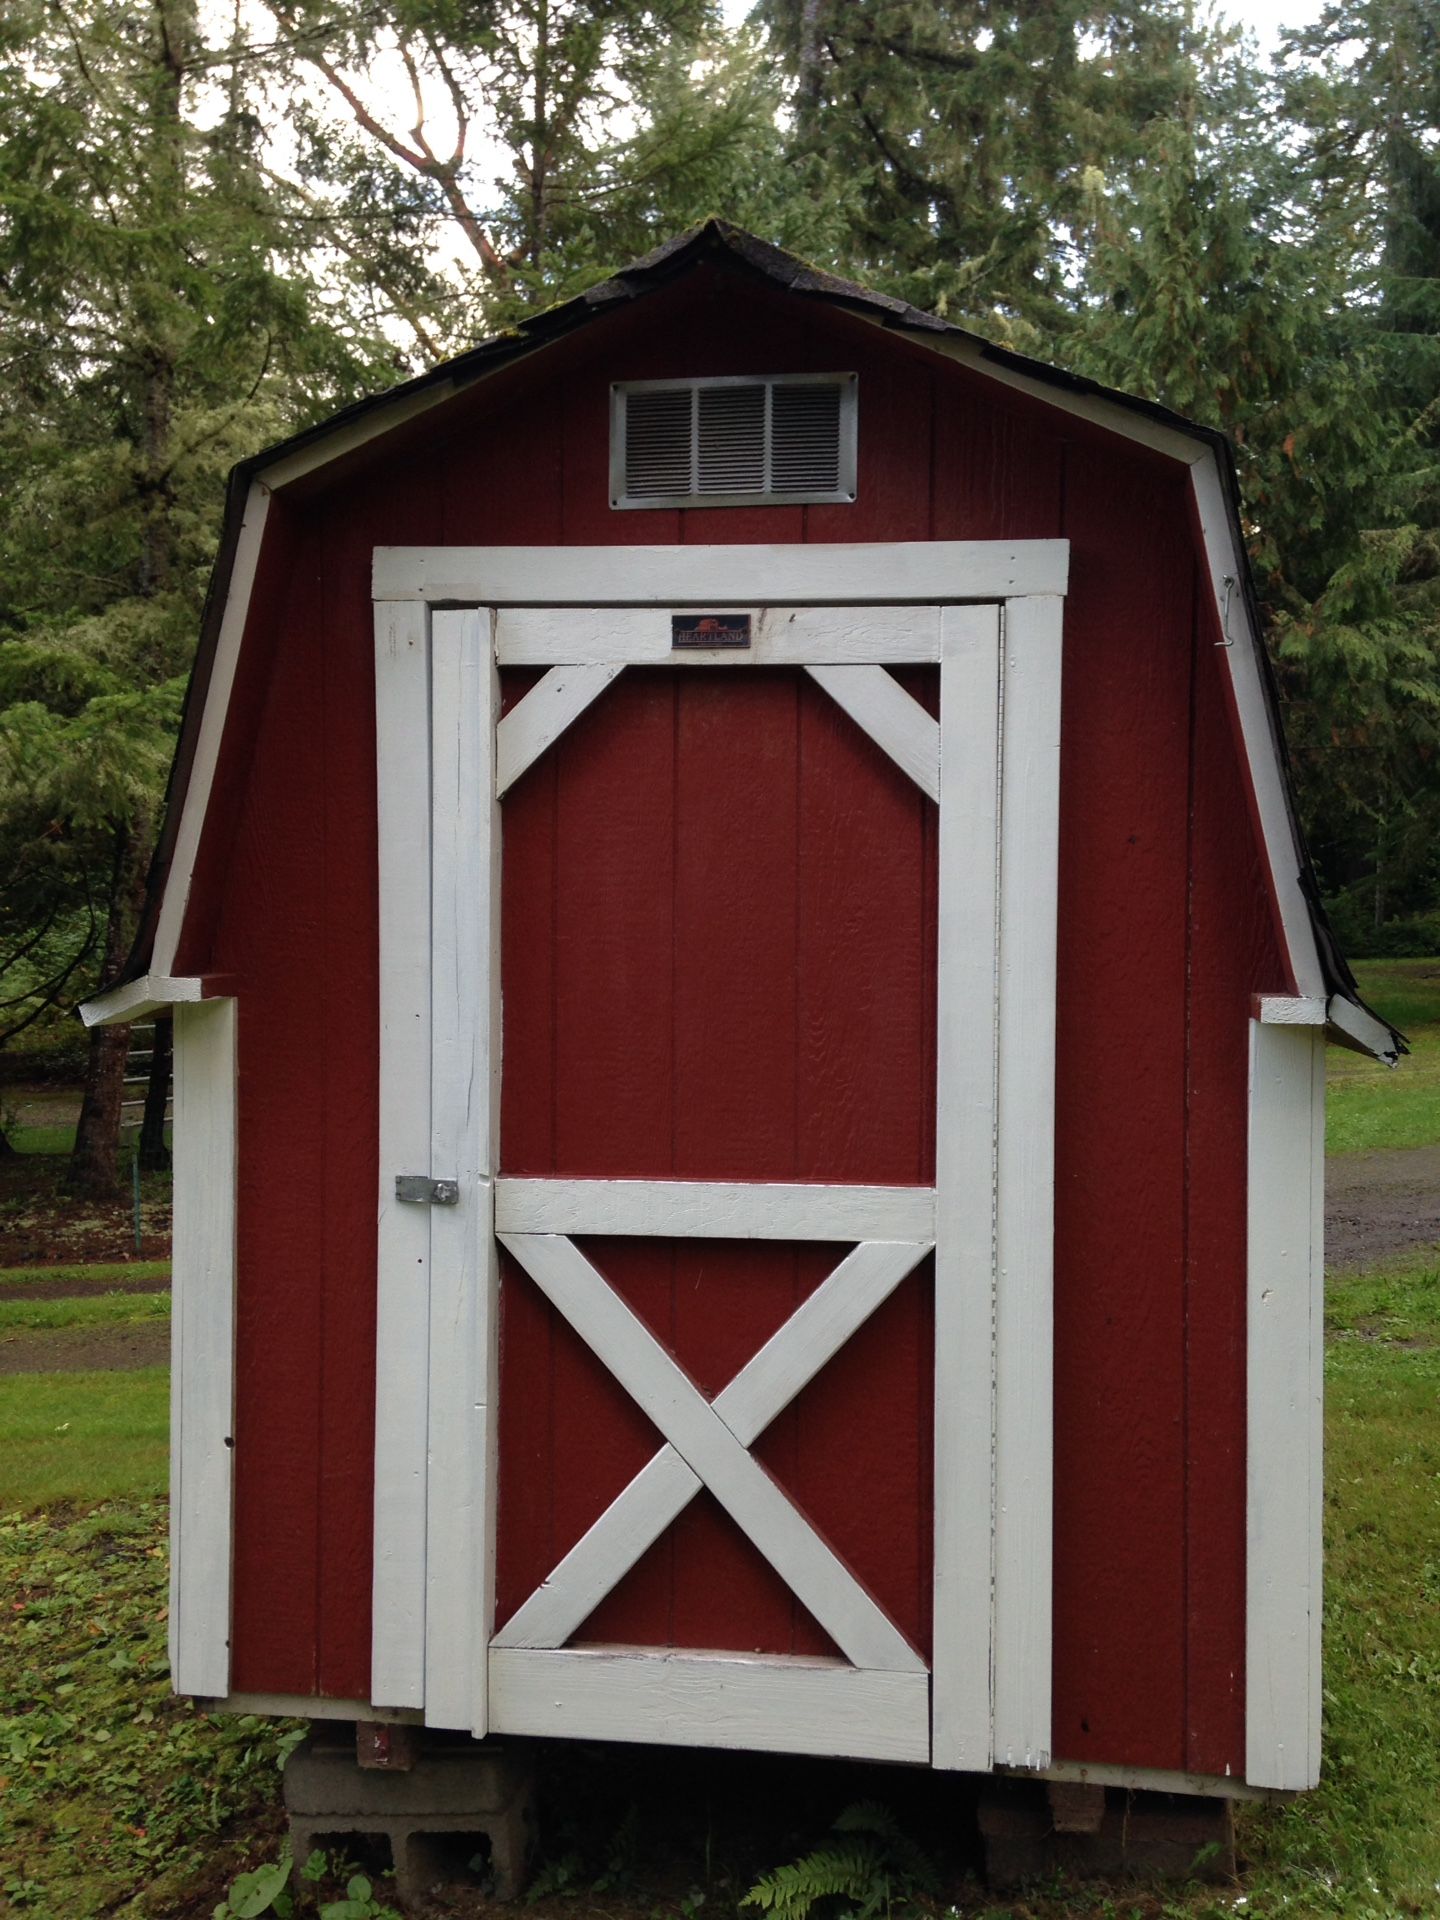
(266,481)
(1241,646)
(212,727)
(137,998)
(1109,414)
(1351,1026)
(345,439)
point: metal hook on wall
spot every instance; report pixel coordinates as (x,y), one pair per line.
(1227,639)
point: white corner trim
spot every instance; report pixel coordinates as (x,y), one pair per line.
(1226,568)
(141,997)
(1351,1026)
(402,689)
(965,1108)
(202,1381)
(696,576)
(1025,1178)
(1284,1396)
(1288,1010)
(191,824)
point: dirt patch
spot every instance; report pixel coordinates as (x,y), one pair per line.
(73,1289)
(1379,1204)
(43,1106)
(43,1225)
(87,1349)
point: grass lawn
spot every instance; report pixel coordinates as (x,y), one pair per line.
(83,1438)
(1372,1106)
(122,1272)
(92,1310)
(116,1798)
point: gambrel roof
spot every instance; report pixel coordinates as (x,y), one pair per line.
(1325,987)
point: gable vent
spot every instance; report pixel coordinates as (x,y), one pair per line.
(733,442)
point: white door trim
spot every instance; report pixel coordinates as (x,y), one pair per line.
(996,1069)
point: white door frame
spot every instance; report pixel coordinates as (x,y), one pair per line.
(438,704)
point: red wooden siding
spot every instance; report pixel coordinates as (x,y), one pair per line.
(718,936)
(1157,962)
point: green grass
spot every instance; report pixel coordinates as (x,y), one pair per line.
(1367,1843)
(83,1437)
(43,1139)
(109,1787)
(118,1270)
(90,1310)
(1370,1106)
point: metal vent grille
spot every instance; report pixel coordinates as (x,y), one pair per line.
(733,442)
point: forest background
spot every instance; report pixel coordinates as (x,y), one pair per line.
(222,219)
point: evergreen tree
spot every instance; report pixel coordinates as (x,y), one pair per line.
(541,143)
(149,340)
(964,134)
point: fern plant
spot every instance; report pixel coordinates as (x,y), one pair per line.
(871,1868)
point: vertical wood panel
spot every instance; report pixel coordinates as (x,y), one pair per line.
(271,928)
(1120,1110)
(402,1335)
(1232,955)
(348,1118)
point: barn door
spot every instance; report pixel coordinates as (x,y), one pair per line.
(714,1210)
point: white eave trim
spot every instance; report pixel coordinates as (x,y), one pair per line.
(1351,1026)
(137,998)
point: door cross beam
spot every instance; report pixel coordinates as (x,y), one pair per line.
(708,1445)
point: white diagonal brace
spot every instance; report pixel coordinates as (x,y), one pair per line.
(659,1493)
(893,718)
(537,721)
(813,1572)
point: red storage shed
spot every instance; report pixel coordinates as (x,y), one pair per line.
(749,1015)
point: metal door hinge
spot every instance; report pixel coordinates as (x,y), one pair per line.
(420,1188)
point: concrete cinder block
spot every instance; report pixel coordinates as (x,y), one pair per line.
(453,1802)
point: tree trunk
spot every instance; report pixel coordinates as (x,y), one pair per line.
(94,1171)
(154,1154)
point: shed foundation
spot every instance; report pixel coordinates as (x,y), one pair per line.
(459,1815)
(1133,1834)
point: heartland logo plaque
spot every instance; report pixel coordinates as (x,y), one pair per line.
(709,630)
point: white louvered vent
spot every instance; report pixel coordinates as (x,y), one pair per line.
(733,442)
